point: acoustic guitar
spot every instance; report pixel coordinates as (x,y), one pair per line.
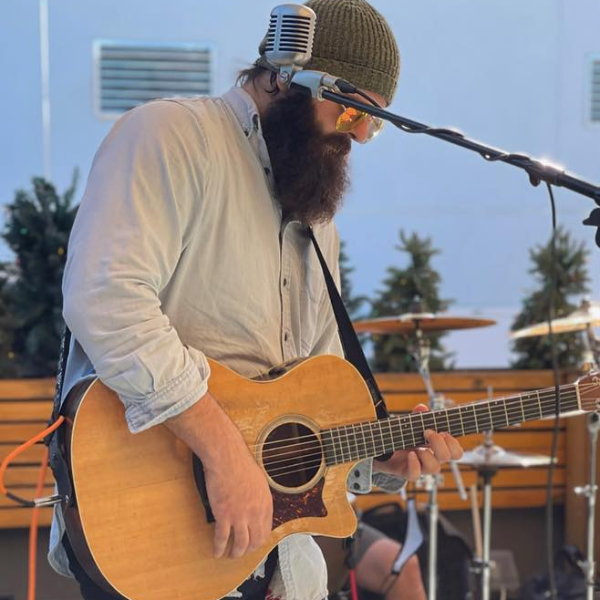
(139,519)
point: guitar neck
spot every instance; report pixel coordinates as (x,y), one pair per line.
(358,441)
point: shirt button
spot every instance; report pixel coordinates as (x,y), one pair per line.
(285,337)
(356,486)
(357,473)
(285,282)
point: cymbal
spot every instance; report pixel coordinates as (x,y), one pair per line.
(588,315)
(496,457)
(426,322)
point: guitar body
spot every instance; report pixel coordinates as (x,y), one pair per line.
(139,514)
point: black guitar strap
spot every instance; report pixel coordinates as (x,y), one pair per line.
(352,348)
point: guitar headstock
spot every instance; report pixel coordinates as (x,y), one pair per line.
(588,391)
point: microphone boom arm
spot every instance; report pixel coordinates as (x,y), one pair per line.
(321,89)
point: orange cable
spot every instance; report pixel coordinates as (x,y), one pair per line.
(22,447)
(33,529)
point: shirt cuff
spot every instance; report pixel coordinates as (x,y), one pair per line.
(175,397)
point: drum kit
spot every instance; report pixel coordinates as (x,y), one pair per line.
(488,458)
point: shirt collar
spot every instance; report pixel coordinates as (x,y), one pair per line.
(246,112)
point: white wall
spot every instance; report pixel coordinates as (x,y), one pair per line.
(506,72)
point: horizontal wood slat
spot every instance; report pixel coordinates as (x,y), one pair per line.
(35,410)
(33,454)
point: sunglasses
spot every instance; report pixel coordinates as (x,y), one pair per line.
(351,118)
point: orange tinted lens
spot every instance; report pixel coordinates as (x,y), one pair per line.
(349,119)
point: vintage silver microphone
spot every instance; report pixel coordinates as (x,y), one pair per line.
(288,48)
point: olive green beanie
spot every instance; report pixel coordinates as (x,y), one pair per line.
(354,42)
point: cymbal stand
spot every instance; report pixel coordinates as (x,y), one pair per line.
(590,491)
(591,345)
(420,349)
(485,567)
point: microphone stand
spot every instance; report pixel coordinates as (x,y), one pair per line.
(538,171)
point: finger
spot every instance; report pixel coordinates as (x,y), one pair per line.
(437,443)
(456,451)
(259,533)
(413,470)
(420,408)
(241,539)
(429,464)
(222,531)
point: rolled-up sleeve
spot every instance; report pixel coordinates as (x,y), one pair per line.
(140,205)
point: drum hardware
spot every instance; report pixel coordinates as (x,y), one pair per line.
(584,319)
(590,491)
(414,325)
(486,459)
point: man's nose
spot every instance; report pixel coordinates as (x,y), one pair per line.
(360,132)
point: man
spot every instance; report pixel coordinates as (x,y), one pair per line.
(190,242)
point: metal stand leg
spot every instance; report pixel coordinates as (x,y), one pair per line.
(590,491)
(486,565)
(433,510)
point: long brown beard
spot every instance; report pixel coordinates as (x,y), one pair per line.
(310,168)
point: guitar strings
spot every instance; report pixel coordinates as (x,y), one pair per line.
(398,423)
(544,394)
(319,455)
(544,398)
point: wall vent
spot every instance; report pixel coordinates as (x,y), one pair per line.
(594,114)
(128,74)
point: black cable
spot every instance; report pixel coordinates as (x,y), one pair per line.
(550,480)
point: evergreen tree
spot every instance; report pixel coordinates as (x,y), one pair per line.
(352,303)
(37,230)
(415,288)
(571,280)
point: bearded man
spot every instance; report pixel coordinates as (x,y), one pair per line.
(190,241)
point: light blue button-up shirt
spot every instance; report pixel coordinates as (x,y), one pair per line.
(179,252)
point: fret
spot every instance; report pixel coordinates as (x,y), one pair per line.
(452,413)
(328,447)
(343,439)
(381,438)
(513,411)
(337,444)
(462,424)
(505,412)
(412,431)
(484,422)
(539,403)
(447,415)
(475,417)
(388,422)
(365,450)
(489,407)
(471,420)
(354,443)
(430,416)
(522,409)
(497,414)
(374,452)
(397,421)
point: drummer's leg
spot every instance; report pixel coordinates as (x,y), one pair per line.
(375,555)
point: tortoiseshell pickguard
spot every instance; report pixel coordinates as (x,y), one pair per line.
(287,507)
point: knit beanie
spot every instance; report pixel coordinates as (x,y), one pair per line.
(354,42)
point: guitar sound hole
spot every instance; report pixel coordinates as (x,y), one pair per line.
(292,455)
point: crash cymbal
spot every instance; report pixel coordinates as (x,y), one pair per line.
(496,457)
(588,315)
(426,322)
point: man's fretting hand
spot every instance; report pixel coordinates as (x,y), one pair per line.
(411,464)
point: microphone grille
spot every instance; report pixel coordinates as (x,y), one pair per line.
(290,36)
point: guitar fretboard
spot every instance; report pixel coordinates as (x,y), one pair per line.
(358,441)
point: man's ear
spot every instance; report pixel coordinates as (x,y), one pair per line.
(281,85)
